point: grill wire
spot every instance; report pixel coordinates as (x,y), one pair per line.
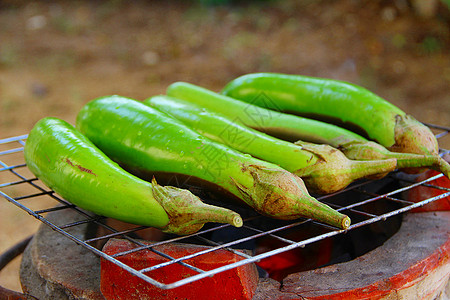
(21,186)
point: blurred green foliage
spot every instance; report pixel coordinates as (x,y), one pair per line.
(446,2)
(226,2)
(431,44)
(8,55)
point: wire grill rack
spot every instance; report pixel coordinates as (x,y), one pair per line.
(21,188)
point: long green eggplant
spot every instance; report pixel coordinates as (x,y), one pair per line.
(67,162)
(347,103)
(323,168)
(145,139)
(293,127)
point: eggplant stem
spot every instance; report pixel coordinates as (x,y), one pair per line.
(409,160)
(187,213)
(405,161)
(371,168)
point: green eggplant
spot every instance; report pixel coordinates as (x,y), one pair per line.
(291,127)
(67,162)
(330,99)
(323,168)
(146,140)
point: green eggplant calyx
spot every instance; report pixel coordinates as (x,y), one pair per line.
(334,171)
(411,136)
(342,141)
(187,213)
(364,150)
(282,195)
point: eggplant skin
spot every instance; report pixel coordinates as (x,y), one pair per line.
(68,163)
(383,122)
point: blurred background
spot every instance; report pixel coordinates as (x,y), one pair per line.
(57,55)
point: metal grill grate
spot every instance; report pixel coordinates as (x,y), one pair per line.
(23,189)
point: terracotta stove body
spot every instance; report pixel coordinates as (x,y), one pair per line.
(413,264)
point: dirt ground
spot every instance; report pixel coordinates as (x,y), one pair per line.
(57,55)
